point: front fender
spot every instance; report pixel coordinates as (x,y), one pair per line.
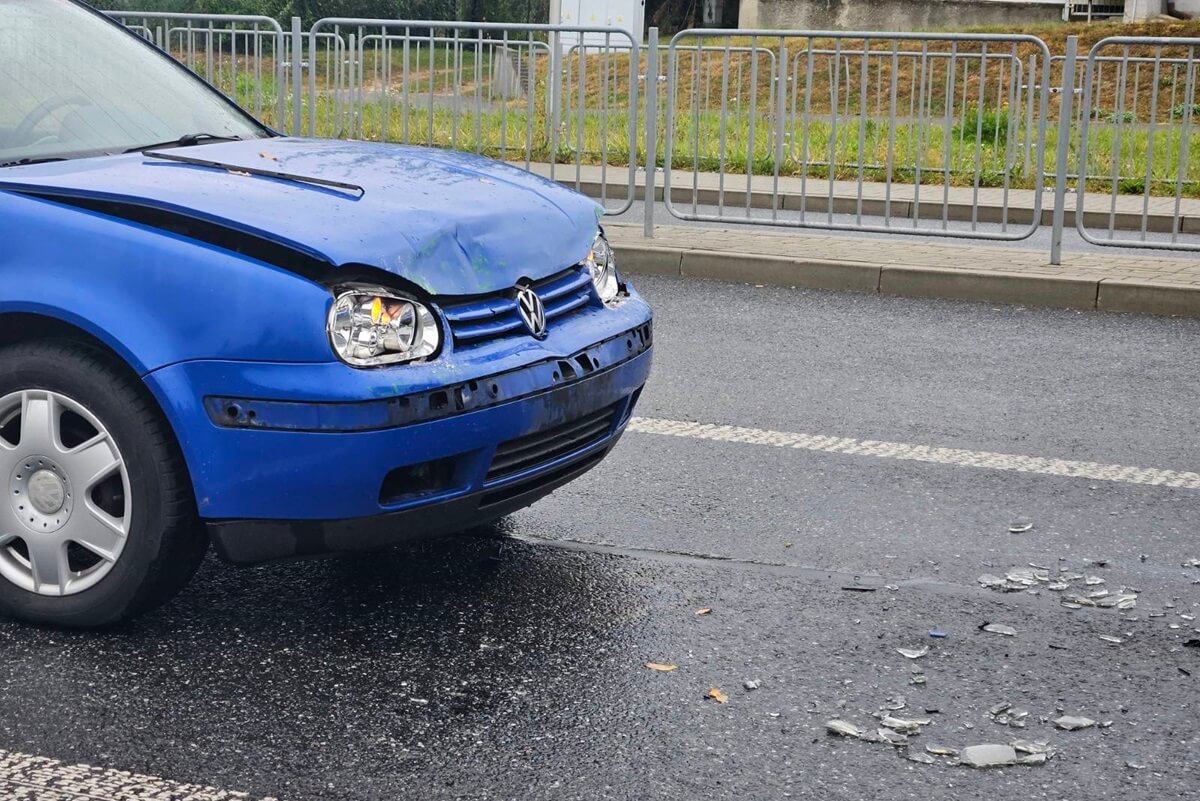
(154,297)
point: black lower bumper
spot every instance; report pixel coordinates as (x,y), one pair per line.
(247,542)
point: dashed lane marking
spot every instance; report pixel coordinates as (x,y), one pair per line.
(32,778)
(1041,465)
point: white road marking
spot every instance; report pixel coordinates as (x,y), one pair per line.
(32,778)
(1094,471)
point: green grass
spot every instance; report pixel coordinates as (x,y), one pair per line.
(985,147)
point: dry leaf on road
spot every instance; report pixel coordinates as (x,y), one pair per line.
(716,695)
(660,667)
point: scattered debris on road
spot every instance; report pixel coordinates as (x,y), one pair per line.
(751,684)
(1072,723)
(843,729)
(913,653)
(718,696)
(661,667)
(998,628)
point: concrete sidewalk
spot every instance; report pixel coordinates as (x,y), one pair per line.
(819,196)
(894,266)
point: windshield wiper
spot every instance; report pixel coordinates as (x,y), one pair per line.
(246,170)
(22,162)
(187,140)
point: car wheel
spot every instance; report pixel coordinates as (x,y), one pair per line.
(98,523)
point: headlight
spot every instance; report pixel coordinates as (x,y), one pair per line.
(370,326)
(603,266)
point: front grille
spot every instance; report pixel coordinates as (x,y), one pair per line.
(495,316)
(549,444)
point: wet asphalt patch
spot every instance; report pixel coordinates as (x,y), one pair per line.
(478,669)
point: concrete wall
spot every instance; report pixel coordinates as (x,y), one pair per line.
(891,15)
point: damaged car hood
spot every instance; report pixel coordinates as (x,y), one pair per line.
(449,222)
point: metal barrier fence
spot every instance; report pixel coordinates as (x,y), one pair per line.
(1150,130)
(530,94)
(944,135)
(243,56)
(891,121)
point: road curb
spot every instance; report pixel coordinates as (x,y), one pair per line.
(1068,288)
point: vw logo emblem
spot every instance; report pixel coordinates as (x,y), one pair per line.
(532,312)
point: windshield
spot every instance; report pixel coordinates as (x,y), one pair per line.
(71,84)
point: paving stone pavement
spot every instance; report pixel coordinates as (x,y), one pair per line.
(34,778)
(984,205)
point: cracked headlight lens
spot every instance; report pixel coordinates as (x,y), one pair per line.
(370,326)
(602,264)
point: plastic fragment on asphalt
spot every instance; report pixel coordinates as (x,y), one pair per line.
(1111,638)
(895,702)
(1020,527)
(718,696)
(1093,581)
(1032,759)
(999,628)
(703,611)
(917,679)
(1072,723)
(936,634)
(751,684)
(996,709)
(661,667)
(917,756)
(990,755)
(913,653)
(843,729)
(855,588)
(1032,746)
(893,737)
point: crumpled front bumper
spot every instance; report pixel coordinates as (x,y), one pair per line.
(314,471)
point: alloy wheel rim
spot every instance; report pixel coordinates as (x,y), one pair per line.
(65,520)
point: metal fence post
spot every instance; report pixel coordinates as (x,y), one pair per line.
(297,74)
(651,132)
(1061,167)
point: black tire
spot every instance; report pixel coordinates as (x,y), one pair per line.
(165,542)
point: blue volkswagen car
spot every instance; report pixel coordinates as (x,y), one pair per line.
(211,333)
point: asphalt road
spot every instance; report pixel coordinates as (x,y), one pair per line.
(513,667)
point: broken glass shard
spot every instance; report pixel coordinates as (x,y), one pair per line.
(913,653)
(991,755)
(901,725)
(843,729)
(1072,723)
(999,628)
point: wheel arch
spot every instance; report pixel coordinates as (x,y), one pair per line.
(17,327)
